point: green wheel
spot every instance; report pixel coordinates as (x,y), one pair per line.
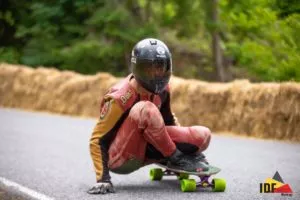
(156,174)
(188,185)
(219,185)
(182,176)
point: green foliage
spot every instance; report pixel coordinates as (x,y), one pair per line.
(287,7)
(261,42)
(183,16)
(82,35)
(9,54)
(6,16)
(88,36)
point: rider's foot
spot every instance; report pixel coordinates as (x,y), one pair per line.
(201,159)
(180,161)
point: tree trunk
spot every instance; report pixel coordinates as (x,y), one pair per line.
(148,11)
(216,47)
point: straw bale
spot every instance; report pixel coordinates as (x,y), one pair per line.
(264,110)
(51,90)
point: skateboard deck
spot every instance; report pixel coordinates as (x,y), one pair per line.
(212,170)
(190,185)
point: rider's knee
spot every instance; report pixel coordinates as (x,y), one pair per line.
(202,135)
(146,112)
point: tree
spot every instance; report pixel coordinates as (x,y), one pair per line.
(216,47)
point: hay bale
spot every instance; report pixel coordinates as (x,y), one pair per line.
(47,89)
(264,110)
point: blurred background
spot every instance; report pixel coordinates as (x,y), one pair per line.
(217,40)
(211,40)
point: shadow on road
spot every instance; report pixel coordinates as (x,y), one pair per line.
(157,186)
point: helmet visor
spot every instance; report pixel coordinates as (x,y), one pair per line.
(154,70)
(154,75)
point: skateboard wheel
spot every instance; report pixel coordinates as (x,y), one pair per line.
(182,176)
(218,185)
(188,185)
(156,174)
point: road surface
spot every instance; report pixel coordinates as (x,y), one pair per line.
(48,155)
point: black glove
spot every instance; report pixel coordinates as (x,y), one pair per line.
(102,188)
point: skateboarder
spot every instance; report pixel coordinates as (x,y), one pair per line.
(136,126)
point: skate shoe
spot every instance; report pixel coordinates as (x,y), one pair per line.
(200,159)
(181,162)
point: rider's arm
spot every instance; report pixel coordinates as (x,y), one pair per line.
(169,117)
(102,133)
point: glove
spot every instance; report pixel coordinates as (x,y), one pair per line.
(102,188)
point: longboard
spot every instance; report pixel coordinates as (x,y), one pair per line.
(190,185)
(212,170)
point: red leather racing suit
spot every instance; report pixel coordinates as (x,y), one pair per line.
(133,128)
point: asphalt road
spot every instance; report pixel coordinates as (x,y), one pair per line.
(49,154)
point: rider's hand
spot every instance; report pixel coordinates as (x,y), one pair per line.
(102,188)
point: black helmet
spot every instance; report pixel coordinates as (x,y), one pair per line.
(151,64)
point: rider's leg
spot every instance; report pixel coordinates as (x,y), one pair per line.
(143,125)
